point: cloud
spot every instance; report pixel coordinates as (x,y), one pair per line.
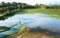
(32,2)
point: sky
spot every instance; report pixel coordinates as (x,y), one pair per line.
(33,2)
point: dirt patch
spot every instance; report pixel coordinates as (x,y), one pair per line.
(35,35)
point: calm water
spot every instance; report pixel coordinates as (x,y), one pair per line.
(34,20)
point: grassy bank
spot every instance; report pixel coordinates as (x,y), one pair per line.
(45,11)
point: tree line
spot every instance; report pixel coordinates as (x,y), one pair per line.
(14,7)
(50,6)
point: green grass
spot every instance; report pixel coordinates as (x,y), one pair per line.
(1,30)
(46,11)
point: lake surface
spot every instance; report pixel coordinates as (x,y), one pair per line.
(33,21)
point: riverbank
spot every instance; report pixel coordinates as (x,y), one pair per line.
(11,13)
(45,11)
(35,35)
(52,12)
(26,33)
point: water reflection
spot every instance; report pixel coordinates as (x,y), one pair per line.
(33,21)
